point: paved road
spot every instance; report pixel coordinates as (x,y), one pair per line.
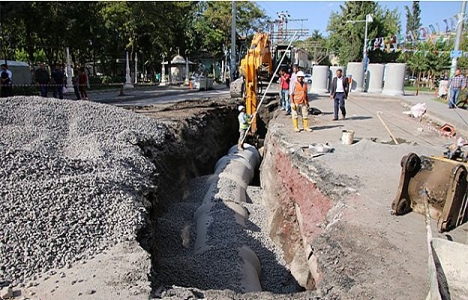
(151,95)
(150,99)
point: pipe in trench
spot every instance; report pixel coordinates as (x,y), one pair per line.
(232,175)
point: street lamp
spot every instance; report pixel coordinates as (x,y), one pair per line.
(369,19)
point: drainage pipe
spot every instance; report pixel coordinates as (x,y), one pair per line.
(222,215)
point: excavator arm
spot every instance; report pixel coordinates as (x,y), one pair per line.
(256,64)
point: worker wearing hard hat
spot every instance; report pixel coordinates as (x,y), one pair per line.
(244,122)
(300,103)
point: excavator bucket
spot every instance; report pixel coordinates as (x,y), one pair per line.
(445,181)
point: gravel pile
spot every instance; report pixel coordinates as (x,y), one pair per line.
(178,265)
(72,181)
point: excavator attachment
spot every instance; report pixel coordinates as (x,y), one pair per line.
(445,181)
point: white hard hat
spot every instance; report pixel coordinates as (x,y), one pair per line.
(300,74)
(241,107)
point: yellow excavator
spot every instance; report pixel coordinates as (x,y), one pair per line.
(259,64)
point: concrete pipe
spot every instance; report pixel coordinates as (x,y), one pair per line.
(251,269)
(203,218)
(238,166)
(356,71)
(221,218)
(224,188)
(394,79)
(319,80)
(375,73)
(250,153)
(332,74)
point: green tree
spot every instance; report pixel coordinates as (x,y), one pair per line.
(214,23)
(346,39)
(104,30)
(413,17)
(426,59)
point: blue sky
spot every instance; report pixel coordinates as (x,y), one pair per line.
(318,12)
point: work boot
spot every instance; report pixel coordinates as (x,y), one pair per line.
(295,124)
(305,122)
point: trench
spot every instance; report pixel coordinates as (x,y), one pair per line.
(199,235)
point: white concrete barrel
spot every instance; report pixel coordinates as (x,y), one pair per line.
(332,74)
(394,79)
(319,80)
(375,74)
(356,70)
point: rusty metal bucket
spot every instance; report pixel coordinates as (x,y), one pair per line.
(446,183)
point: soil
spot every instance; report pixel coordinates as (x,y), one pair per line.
(200,132)
(364,251)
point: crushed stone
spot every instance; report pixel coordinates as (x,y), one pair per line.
(72,181)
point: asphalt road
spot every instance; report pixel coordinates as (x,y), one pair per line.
(158,99)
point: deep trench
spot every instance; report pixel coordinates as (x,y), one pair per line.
(184,166)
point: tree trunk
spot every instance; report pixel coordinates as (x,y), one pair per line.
(73,58)
(417,83)
(94,61)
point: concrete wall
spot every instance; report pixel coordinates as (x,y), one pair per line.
(319,80)
(394,79)
(21,72)
(356,70)
(375,74)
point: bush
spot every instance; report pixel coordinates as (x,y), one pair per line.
(25,91)
(105,79)
(95,80)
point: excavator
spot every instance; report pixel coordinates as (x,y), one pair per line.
(259,64)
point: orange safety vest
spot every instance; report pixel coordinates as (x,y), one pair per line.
(300,93)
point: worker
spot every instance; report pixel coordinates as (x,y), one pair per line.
(339,92)
(284,78)
(244,122)
(300,102)
(293,78)
(455,84)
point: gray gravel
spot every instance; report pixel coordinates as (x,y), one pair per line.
(72,181)
(212,269)
(275,277)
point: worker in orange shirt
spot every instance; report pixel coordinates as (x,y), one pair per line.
(300,103)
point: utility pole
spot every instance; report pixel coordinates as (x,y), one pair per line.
(461,19)
(233,40)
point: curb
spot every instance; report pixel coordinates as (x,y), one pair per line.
(118,100)
(460,128)
(437,117)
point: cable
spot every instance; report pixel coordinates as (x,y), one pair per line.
(455,107)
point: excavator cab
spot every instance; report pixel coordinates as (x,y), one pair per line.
(279,51)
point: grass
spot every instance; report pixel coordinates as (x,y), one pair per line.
(421,89)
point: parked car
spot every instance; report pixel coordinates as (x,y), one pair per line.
(308,78)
